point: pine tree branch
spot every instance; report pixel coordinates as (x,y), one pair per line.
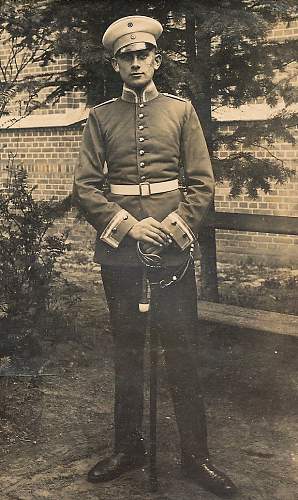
(269,152)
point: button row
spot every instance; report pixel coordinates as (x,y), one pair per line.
(141,139)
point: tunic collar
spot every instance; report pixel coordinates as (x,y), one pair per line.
(150,92)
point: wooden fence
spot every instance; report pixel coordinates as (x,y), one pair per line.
(235,222)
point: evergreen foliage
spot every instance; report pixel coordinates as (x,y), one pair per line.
(216,52)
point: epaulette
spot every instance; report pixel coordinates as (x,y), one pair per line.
(106,102)
(174,96)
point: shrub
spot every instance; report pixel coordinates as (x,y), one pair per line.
(28,252)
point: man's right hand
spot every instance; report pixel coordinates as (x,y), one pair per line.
(150,231)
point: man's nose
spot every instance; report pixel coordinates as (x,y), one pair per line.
(135,62)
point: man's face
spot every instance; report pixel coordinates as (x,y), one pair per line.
(137,67)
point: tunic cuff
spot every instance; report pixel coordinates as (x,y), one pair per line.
(117,228)
(180,231)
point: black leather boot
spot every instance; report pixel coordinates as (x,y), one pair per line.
(207,476)
(118,463)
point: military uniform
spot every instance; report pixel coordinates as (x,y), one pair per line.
(141,139)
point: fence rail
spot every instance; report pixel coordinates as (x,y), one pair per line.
(252,222)
(234,222)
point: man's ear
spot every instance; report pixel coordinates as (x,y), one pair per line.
(115,64)
(157,61)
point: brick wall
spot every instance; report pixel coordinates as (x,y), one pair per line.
(11,65)
(283,31)
(282,200)
(49,156)
(48,151)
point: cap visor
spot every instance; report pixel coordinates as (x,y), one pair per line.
(134,46)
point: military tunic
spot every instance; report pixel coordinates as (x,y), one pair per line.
(143,140)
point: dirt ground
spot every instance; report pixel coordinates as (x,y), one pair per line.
(55,425)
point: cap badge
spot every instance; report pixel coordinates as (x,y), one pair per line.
(130,25)
(132,37)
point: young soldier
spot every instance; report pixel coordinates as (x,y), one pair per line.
(143,136)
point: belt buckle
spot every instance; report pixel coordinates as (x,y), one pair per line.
(145,189)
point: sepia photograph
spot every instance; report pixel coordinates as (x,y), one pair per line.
(148,249)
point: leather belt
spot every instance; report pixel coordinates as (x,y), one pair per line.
(144,188)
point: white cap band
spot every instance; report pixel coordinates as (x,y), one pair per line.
(133,38)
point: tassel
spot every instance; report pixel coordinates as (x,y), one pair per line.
(144,303)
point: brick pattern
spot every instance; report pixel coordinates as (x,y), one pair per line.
(43,146)
(282,200)
(283,31)
(73,99)
(48,155)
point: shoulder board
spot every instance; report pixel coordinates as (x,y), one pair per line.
(106,102)
(174,96)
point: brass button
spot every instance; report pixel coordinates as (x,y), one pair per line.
(141,115)
(114,230)
(143,177)
(174,223)
(141,139)
(141,127)
(142,164)
(125,217)
(142,152)
(141,105)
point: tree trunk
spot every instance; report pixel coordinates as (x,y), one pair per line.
(198,48)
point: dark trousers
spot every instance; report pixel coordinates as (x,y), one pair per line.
(174,318)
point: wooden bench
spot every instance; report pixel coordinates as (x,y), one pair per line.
(251,319)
